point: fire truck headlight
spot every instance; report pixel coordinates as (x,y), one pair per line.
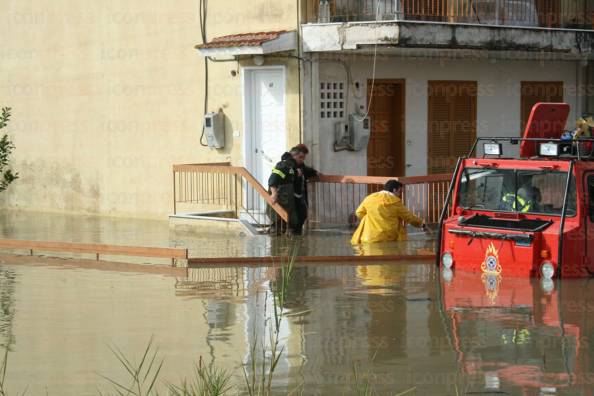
(493,149)
(447,260)
(547,286)
(549,149)
(447,274)
(547,270)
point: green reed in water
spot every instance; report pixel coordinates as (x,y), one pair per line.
(3,373)
(3,368)
(207,381)
(143,375)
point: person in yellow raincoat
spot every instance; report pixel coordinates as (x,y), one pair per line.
(384,217)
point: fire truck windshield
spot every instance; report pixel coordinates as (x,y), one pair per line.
(514,190)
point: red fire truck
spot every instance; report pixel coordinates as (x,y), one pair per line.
(522,206)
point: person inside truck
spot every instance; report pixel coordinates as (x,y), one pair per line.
(524,201)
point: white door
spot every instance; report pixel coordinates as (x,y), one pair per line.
(266,134)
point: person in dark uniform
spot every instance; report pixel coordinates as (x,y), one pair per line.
(303,174)
(281,187)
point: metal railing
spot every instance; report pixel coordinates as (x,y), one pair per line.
(222,187)
(576,14)
(333,200)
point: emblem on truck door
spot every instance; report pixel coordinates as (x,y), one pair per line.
(491,264)
(491,273)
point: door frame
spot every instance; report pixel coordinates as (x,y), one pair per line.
(249,136)
(402,83)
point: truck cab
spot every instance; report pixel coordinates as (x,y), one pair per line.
(526,215)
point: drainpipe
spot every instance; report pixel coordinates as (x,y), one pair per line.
(299,70)
(589,95)
(581,81)
(314,111)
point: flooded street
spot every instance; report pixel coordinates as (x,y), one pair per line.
(397,326)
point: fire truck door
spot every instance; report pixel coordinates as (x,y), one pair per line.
(590,221)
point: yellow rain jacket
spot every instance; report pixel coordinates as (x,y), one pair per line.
(383,218)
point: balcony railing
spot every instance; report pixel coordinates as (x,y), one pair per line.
(567,14)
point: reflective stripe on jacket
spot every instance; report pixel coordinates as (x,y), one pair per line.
(513,200)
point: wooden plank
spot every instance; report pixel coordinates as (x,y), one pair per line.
(264,194)
(332,260)
(69,247)
(155,269)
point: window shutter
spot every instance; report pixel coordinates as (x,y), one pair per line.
(464,116)
(439,128)
(452,123)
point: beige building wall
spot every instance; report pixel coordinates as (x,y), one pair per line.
(106,96)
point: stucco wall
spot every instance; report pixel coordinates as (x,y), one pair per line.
(106,96)
(498,107)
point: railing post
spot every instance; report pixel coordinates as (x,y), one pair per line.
(236,200)
(174,195)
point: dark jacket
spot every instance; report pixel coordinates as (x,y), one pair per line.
(282,178)
(283,172)
(302,175)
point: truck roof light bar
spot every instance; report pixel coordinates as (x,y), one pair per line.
(515,141)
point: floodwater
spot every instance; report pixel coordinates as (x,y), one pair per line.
(399,326)
(203,242)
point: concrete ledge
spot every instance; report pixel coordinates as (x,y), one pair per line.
(414,34)
(201,223)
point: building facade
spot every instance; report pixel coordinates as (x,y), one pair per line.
(106,98)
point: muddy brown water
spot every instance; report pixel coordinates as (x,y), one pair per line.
(400,324)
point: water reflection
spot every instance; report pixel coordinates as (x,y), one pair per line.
(7,308)
(400,323)
(522,334)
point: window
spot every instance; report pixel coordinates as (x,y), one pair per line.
(332,100)
(519,191)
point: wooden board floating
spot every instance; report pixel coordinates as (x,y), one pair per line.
(97,249)
(334,260)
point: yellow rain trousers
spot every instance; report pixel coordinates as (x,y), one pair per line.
(383,218)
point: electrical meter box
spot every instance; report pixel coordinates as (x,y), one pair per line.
(214,130)
(352,136)
(360,132)
(342,137)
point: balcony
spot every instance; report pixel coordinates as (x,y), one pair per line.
(563,28)
(562,14)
